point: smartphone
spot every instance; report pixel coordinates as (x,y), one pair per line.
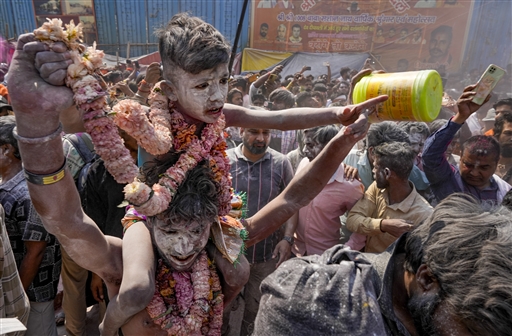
(487,82)
(273,77)
(308,68)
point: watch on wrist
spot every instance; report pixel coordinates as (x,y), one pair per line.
(288,239)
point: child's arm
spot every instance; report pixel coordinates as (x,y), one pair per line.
(232,278)
(138,284)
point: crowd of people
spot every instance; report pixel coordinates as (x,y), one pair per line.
(393,228)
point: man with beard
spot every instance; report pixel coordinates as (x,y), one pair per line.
(478,162)
(450,276)
(263,31)
(503,133)
(262,173)
(391,206)
(439,45)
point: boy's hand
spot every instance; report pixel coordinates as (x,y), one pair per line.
(347,115)
(34,76)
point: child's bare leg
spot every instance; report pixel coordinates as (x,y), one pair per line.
(138,284)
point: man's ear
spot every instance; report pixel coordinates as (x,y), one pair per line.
(168,90)
(425,280)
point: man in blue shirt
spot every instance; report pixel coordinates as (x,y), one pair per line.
(480,155)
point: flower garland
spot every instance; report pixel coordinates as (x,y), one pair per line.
(188,303)
(90,97)
(210,146)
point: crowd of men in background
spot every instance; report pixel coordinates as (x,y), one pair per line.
(388,184)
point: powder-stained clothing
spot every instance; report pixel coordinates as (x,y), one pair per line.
(446,179)
(318,227)
(341,292)
(366,215)
(24,224)
(14,302)
(262,181)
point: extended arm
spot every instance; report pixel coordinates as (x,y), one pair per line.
(37,106)
(308,182)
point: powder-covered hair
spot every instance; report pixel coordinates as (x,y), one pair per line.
(281,95)
(322,134)
(191,44)
(482,145)
(466,246)
(412,127)
(385,131)
(196,199)
(397,156)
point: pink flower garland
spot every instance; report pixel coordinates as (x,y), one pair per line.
(210,146)
(90,97)
(188,303)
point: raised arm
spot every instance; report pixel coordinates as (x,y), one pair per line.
(37,105)
(311,180)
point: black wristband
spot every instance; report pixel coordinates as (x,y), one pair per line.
(45,179)
(289,239)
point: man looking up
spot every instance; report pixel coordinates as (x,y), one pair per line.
(262,173)
(478,162)
(391,205)
(37,252)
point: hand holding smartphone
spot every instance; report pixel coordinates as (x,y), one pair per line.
(487,82)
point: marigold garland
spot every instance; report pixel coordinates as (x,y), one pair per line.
(189,302)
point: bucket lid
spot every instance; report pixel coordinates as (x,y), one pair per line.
(427,95)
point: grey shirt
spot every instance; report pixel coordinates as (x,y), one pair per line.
(262,181)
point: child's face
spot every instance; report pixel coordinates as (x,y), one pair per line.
(199,97)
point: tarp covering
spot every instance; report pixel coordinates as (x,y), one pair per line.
(255,60)
(294,62)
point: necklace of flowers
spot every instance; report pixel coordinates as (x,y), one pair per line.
(89,94)
(210,146)
(189,302)
(153,134)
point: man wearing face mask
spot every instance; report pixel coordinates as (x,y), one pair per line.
(391,206)
(262,173)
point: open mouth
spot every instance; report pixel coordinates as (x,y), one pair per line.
(215,112)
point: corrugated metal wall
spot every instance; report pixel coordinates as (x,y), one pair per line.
(136,19)
(16,17)
(490,35)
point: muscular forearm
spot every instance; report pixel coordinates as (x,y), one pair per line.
(31,262)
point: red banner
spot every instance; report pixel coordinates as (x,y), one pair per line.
(403,35)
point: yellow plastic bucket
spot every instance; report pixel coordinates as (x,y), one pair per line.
(413,95)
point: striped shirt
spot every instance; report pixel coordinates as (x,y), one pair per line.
(262,181)
(13,300)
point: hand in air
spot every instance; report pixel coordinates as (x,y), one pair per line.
(465,105)
(153,73)
(36,78)
(347,115)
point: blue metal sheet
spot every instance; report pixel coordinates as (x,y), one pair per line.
(19,16)
(490,35)
(121,21)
